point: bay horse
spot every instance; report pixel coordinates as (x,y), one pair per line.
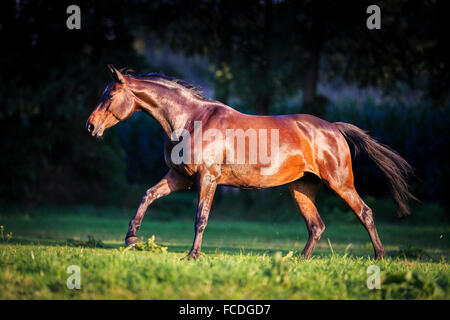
(311,152)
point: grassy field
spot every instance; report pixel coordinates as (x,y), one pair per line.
(243,260)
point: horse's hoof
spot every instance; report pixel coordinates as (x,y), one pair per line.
(192,256)
(131,240)
(380,256)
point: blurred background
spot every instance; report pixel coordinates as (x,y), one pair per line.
(261,57)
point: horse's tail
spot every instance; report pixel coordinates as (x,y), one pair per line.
(393,166)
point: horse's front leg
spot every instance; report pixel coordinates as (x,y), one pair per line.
(171,182)
(207,187)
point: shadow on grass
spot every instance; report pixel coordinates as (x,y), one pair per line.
(172,248)
(407,253)
(60,243)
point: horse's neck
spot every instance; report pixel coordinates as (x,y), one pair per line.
(173,113)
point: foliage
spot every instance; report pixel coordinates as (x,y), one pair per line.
(257,53)
(5,236)
(260,51)
(149,245)
(51,79)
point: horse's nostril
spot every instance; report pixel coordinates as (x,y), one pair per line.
(90,127)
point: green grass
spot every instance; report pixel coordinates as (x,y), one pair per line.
(241,259)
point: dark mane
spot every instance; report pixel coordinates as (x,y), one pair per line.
(159,76)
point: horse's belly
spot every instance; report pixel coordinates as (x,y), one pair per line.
(262,176)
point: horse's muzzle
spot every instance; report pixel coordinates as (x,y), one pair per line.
(94,131)
(90,127)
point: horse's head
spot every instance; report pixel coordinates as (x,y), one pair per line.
(116,104)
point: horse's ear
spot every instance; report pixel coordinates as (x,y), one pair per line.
(116,74)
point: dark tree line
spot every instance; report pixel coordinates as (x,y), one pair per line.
(262,53)
(284,46)
(51,78)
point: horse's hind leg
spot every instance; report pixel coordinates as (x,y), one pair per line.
(348,193)
(304,192)
(336,171)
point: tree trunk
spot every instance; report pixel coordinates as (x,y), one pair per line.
(312,72)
